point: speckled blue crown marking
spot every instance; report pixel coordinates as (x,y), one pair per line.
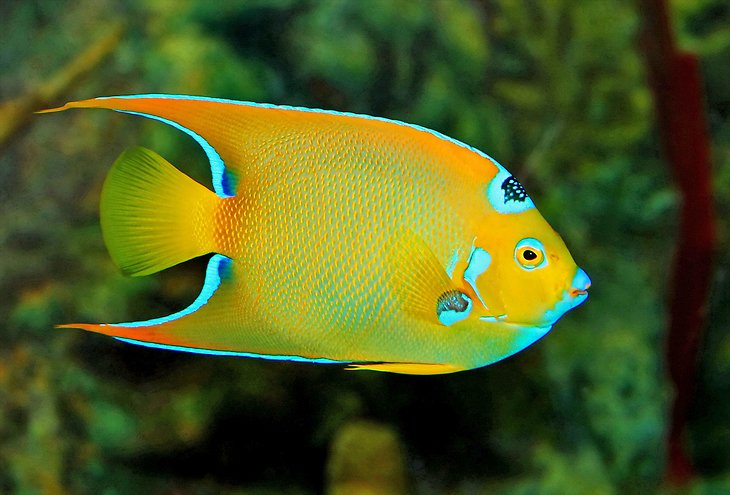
(506,194)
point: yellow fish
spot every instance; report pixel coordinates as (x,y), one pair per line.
(337,238)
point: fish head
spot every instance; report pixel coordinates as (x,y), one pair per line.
(530,278)
(519,269)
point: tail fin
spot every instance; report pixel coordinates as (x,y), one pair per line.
(152,215)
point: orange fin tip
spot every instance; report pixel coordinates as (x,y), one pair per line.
(53,110)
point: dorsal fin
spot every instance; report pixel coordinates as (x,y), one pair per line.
(234,133)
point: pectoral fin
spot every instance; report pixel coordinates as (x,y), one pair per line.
(423,287)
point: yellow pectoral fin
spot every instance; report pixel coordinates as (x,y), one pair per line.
(407,368)
(421,283)
(418,277)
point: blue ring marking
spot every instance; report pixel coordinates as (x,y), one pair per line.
(195,350)
(221,181)
(535,244)
(300,109)
(497,196)
(218,268)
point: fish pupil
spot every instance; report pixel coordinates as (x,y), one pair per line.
(529,254)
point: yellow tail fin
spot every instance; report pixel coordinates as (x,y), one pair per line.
(152,215)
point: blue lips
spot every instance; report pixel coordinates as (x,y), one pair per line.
(572,297)
(581,281)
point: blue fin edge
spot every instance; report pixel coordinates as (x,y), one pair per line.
(221,179)
(218,268)
(211,352)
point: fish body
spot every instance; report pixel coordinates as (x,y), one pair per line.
(337,238)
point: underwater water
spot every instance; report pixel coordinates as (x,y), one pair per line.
(557,91)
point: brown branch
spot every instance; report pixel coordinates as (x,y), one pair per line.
(677,90)
(16,113)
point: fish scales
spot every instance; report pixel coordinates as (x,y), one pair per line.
(351,193)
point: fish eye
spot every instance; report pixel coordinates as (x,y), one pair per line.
(530,254)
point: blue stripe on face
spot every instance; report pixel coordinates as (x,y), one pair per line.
(210,352)
(218,269)
(479,261)
(221,179)
(299,109)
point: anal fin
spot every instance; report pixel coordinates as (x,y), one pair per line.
(186,328)
(210,325)
(407,368)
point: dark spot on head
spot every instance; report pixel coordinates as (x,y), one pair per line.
(513,190)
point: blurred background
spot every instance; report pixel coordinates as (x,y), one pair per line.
(556,90)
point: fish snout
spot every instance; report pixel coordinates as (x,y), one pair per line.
(580,285)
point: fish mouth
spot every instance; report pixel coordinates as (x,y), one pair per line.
(580,284)
(572,297)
